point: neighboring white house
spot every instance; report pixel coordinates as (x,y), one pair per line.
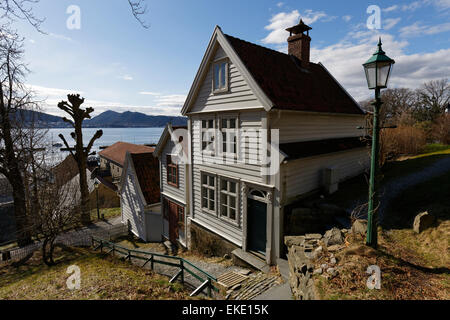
(139,196)
(174,183)
(243,98)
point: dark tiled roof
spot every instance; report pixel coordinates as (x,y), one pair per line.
(147,172)
(297,150)
(290,87)
(118,150)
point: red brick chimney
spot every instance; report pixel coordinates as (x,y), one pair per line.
(299,42)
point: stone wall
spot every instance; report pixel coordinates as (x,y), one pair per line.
(303,257)
(207,243)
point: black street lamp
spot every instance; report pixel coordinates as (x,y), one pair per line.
(378,69)
(96,184)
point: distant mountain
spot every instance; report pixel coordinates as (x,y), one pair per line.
(107,119)
(112,119)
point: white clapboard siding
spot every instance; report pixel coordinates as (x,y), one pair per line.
(304,175)
(298,126)
(240,96)
(249,149)
(177,193)
(132,206)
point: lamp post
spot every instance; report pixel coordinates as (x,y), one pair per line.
(96,184)
(378,69)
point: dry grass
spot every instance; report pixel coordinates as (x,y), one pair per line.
(102,278)
(405,274)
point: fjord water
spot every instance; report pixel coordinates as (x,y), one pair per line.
(110,136)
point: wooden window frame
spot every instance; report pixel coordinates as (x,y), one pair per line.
(205,129)
(170,167)
(227,193)
(226,87)
(209,188)
(226,131)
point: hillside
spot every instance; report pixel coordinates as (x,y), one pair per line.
(107,119)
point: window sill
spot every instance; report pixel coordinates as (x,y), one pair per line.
(173,185)
(221,91)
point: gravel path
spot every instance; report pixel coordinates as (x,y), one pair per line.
(393,188)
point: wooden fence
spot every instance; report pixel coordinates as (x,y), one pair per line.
(155,258)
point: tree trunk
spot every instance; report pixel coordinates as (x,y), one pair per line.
(84,189)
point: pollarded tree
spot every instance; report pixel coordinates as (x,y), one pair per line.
(79,153)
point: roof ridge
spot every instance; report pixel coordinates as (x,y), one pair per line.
(265,48)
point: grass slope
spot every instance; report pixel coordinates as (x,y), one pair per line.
(102,278)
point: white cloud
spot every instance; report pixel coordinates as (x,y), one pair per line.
(416,29)
(409,70)
(45,92)
(173,100)
(280,21)
(346,18)
(149,93)
(414,5)
(60,37)
(443,4)
(390,23)
(280,4)
(126,77)
(391,8)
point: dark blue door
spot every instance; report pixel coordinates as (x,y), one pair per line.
(256,225)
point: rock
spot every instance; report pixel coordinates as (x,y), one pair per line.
(423,221)
(333,236)
(333,261)
(324,266)
(226,256)
(332,272)
(344,231)
(294,241)
(318,271)
(313,236)
(319,249)
(359,227)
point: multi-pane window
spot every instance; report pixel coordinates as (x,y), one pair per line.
(208,135)
(228,199)
(229,135)
(172,172)
(220,77)
(209,192)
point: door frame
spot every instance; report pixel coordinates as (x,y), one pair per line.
(166,206)
(266,195)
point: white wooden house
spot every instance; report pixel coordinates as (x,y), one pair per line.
(139,196)
(174,183)
(243,98)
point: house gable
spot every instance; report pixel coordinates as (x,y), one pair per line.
(244,92)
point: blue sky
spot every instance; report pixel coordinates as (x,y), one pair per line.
(116,64)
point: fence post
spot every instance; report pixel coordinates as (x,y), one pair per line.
(209,287)
(182,271)
(101,246)
(151,262)
(113,249)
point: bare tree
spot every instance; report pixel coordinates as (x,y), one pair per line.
(20,9)
(138,9)
(433,99)
(59,211)
(78,115)
(14,98)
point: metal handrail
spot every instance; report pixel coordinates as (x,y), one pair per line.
(182,263)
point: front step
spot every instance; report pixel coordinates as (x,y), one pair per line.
(251,260)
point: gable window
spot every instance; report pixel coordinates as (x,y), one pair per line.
(228,200)
(209,192)
(220,76)
(172,172)
(229,136)
(208,135)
